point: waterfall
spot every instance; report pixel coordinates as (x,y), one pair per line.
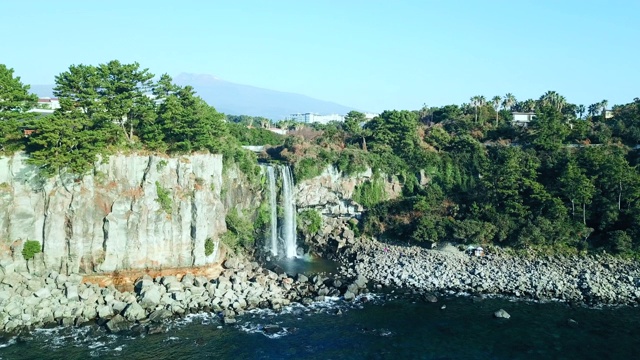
(281,241)
(273,206)
(289,209)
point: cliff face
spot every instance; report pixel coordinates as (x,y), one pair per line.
(331,193)
(133,212)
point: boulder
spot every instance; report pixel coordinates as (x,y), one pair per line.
(134,312)
(159,315)
(429,297)
(501,314)
(71,291)
(361,281)
(150,298)
(231,263)
(104,311)
(117,324)
(349,296)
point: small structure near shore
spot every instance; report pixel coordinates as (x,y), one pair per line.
(475,250)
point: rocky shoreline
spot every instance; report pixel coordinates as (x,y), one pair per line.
(591,280)
(29,301)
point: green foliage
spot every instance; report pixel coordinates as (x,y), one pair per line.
(208,247)
(161,165)
(370,193)
(254,136)
(30,249)
(242,229)
(164,198)
(308,168)
(309,222)
(263,220)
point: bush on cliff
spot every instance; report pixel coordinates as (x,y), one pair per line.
(309,222)
(30,249)
(208,247)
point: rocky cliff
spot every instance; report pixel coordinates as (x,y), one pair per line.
(332,192)
(133,212)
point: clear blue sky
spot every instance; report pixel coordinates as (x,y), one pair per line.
(372,55)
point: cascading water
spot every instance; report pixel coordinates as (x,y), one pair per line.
(289,210)
(282,234)
(273,205)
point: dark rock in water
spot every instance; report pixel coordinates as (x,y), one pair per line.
(156,330)
(428,297)
(229,320)
(501,314)
(159,315)
(271,329)
(117,324)
(138,329)
(572,323)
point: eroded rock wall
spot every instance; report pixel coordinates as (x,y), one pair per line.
(331,193)
(113,219)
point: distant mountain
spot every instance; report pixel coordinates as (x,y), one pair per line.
(237,99)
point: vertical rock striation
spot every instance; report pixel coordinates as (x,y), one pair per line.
(133,212)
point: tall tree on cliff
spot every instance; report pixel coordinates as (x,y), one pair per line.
(15,101)
(113,96)
(353,125)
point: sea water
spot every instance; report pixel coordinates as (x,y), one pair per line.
(389,325)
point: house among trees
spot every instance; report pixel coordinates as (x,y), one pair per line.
(522,118)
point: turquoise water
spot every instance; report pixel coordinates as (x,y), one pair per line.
(388,326)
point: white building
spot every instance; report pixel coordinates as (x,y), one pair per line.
(522,118)
(317,118)
(370,116)
(46,105)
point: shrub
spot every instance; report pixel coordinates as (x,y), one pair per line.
(370,193)
(208,247)
(30,249)
(164,198)
(161,165)
(308,168)
(241,228)
(309,222)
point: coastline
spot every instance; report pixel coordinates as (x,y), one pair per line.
(30,301)
(591,280)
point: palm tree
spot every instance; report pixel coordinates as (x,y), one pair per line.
(603,106)
(496,105)
(554,99)
(475,102)
(580,110)
(509,101)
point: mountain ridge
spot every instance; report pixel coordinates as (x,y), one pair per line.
(239,99)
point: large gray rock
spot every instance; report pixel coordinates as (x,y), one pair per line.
(151,298)
(118,324)
(159,315)
(71,291)
(134,312)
